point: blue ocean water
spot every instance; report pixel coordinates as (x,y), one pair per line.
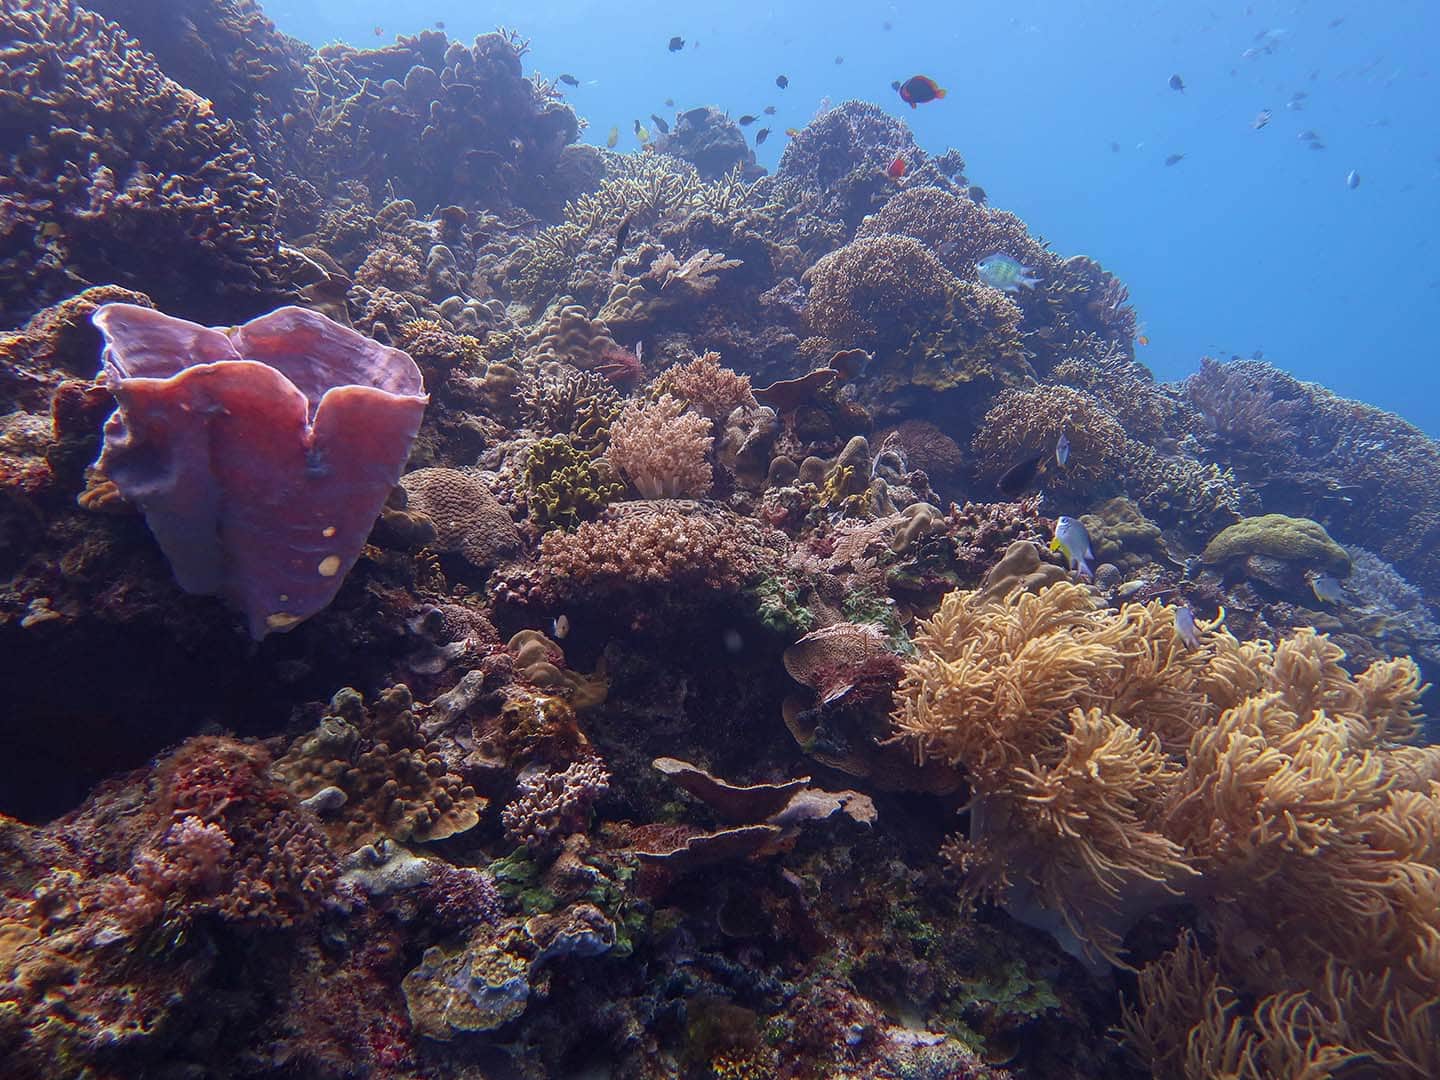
(1252,243)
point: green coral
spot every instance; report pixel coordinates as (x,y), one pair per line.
(1298,540)
(1118,528)
(779,607)
(564,486)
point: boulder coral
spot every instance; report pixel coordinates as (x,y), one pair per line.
(1294,540)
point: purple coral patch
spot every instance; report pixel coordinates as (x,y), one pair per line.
(260,457)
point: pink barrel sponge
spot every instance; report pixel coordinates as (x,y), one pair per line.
(260,455)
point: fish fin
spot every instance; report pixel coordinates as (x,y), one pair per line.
(1055,544)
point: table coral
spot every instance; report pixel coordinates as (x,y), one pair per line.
(117,175)
(394,781)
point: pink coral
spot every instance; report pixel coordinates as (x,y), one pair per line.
(551,805)
(662,450)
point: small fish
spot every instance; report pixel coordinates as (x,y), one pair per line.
(660,124)
(379,31)
(1185,626)
(642,132)
(676,44)
(1142,340)
(896,169)
(560,628)
(1072,539)
(792,132)
(781,81)
(1114,147)
(1177,83)
(977,194)
(1327,589)
(1261,119)
(918,89)
(746,120)
(439,24)
(839,59)
(1174,159)
(1062,449)
(1019,476)
(612,138)
(1352,179)
(669,102)
(769,110)
(569,80)
(1000,271)
(761,135)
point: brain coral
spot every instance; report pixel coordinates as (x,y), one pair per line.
(467,518)
(1280,537)
(111,173)
(873,290)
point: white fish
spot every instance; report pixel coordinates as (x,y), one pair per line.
(1186,628)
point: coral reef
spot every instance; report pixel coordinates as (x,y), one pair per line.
(114,174)
(689,728)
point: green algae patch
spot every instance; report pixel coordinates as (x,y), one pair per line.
(1297,540)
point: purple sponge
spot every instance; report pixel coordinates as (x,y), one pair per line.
(261,455)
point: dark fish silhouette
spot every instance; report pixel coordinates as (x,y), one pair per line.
(696,116)
(676,44)
(621,234)
(769,110)
(1177,83)
(1021,475)
(746,120)
(761,135)
(918,89)
(569,80)
(781,81)
(977,194)
(1174,159)
(663,127)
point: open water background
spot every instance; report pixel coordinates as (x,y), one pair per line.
(1252,242)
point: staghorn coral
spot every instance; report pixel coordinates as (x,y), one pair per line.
(114,174)
(662,450)
(468,519)
(564,486)
(1032,420)
(392,783)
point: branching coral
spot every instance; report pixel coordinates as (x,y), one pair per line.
(876,290)
(564,486)
(113,173)
(662,450)
(1031,421)
(707,387)
(548,806)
